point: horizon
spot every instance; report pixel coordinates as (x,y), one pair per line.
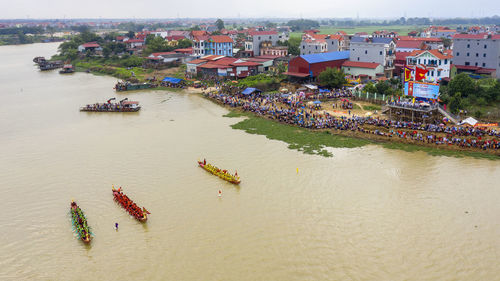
(260,9)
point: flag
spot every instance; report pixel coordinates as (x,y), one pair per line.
(407,74)
(420,73)
(146,211)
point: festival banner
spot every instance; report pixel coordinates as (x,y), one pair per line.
(421,90)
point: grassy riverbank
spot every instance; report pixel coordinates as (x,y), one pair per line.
(315,142)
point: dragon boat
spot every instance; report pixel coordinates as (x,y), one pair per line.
(129,205)
(80,224)
(223,174)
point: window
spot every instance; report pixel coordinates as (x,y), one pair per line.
(467,54)
(476,63)
(467,63)
(468,45)
(445,61)
(439,73)
(484,64)
(484,55)
(366,52)
(358,58)
(477,55)
(303,46)
(458,54)
(269,37)
(485,46)
(439,62)
(316,47)
(259,37)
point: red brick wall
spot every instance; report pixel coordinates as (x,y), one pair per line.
(300,65)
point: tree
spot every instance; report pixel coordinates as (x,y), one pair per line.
(184,43)
(130,34)
(302,24)
(446,42)
(384,88)
(369,88)
(220,24)
(332,78)
(196,27)
(462,83)
(456,103)
(106,51)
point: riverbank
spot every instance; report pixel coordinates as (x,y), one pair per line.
(312,141)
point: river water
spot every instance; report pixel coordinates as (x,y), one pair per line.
(364,214)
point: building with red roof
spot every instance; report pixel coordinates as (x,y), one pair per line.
(255,39)
(410,45)
(437,63)
(92,46)
(357,69)
(220,45)
(321,43)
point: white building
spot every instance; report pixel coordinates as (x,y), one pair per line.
(436,62)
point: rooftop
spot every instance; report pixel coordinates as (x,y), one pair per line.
(323,57)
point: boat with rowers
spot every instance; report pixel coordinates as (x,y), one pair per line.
(80,224)
(122,106)
(129,205)
(223,174)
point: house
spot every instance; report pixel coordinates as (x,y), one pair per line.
(377,50)
(228,67)
(321,43)
(312,65)
(437,63)
(92,46)
(479,50)
(400,62)
(255,38)
(135,43)
(221,45)
(409,45)
(438,32)
(430,43)
(267,49)
(357,69)
(384,34)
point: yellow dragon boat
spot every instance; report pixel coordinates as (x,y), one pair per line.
(223,174)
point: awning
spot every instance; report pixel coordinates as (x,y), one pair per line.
(249,91)
(312,87)
(297,74)
(317,102)
(324,90)
(172,80)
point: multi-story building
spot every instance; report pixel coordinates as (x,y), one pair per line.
(255,38)
(267,49)
(436,62)
(220,45)
(384,34)
(377,50)
(321,43)
(477,50)
(438,32)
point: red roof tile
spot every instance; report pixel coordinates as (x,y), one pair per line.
(253,33)
(91,45)
(197,61)
(471,36)
(221,39)
(359,64)
(409,44)
(435,53)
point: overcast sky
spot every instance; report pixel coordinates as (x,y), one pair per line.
(22,9)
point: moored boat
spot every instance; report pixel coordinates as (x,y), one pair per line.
(67,68)
(223,174)
(122,106)
(39,60)
(49,65)
(127,86)
(80,224)
(129,205)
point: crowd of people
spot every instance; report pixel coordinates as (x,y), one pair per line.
(129,205)
(292,110)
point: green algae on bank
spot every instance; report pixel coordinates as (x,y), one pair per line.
(314,142)
(301,139)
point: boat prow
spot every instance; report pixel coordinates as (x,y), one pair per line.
(223,174)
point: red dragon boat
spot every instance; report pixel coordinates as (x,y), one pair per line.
(129,205)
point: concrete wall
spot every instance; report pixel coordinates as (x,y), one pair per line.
(356,71)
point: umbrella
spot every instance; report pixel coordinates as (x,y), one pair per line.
(284,90)
(317,102)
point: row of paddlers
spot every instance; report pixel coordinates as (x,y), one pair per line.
(80,223)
